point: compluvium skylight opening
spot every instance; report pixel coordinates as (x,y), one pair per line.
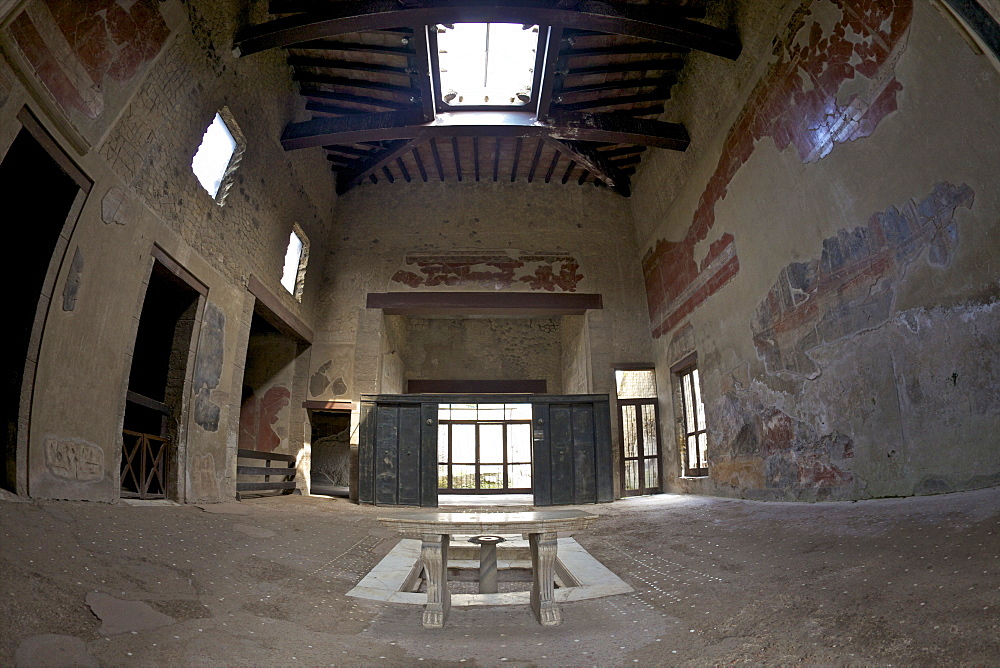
(486,63)
(210,162)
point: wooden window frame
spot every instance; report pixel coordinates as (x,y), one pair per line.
(686,368)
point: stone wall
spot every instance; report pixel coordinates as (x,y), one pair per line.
(484,349)
(477,237)
(831,257)
(127,94)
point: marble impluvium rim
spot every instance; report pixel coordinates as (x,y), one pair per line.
(385,581)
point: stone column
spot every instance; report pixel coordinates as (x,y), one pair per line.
(434,555)
(543,568)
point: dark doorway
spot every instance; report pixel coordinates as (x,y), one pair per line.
(264,409)
(31,182)
(331,453)
(155,388)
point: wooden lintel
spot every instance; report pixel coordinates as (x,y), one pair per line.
(352,16)
(483,303)
(277,314)
(417,386)
(336,405)
(175,268)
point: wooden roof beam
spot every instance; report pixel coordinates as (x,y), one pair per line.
(350,16)
(356,99)
(346,180)
(394,125)
(594,163)
(356,65)
(621,84)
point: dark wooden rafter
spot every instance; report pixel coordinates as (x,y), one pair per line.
(318,94)
(355,47)
(372,163)
(659,83)
(496,158)
(475,155)
(616,68)
(552,166)
(350,65)
(517,158)
(569,170)
(458,159)
(353,16)
(394,125)
(594,163)
(621,50)
(347,82)
(402,169)
(420,163)
(534,161)
(614,101)
(437,158)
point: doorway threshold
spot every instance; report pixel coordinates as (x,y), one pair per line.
(486,500)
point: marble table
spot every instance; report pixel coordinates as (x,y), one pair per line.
(435,530)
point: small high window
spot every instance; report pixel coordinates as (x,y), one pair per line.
(486,64)
(691,421)
(293,276)
(218,156)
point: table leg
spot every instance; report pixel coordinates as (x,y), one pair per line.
(543,569)
(434,554)
(488,568)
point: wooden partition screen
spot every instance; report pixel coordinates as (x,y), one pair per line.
(571,447)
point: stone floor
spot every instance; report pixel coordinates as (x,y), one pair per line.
(264,582)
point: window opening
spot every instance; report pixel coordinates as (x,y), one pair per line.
(486,64)
(293,275)
(694,439)
(484,448)
(639,428)
(218,155)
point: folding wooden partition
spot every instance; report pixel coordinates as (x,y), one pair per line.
(571,448)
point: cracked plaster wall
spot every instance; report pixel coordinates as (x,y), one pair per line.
(851,351)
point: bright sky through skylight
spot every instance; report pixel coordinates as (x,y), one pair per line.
(210,162)
(486,63)
(292,257)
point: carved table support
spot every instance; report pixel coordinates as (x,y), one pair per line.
(434,555)
(543,567)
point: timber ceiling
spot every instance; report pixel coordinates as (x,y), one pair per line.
(365,69)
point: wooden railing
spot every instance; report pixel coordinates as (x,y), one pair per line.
(143,463)
(285,473)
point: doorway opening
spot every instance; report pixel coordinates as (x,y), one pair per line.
(484,448)
(330,467)
(34,180)
(154,401)
(639,429)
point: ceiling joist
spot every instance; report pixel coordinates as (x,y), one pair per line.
(396,125)
(607,17)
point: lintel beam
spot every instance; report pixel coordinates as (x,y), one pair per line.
(483,303)
(395,125)
(608,17)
